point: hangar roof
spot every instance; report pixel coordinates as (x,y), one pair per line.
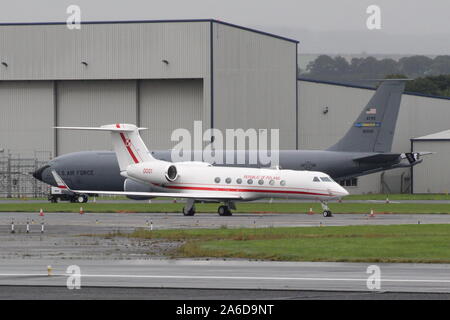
(153,21)
(439,136)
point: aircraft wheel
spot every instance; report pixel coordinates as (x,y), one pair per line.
(327,214)
(224,211)
(190,212)
(82,198)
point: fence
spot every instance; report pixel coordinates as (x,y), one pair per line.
(16,180)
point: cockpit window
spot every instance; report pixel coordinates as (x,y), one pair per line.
(325,179)
(316,179)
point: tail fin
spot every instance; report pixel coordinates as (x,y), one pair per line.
(373,130)
(127,143)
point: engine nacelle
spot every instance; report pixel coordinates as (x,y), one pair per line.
(133,186)
(157,172)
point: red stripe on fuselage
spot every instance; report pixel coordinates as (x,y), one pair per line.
(248,190)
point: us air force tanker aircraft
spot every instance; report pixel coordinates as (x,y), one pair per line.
(200,181)
(365,149)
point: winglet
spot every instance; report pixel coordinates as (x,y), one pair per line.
(59,181)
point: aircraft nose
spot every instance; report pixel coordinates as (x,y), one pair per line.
(343,191)
(38,174)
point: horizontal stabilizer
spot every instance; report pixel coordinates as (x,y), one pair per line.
(126,141)
(103,128)
(379,158)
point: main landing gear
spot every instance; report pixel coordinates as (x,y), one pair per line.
(189,208)
(326,211)
(225,210)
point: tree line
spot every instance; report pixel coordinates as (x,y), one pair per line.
(431,75)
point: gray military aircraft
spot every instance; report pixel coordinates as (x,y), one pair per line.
(365,149)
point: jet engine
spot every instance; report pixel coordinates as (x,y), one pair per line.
(157,172)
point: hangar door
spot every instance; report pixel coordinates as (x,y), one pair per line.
(166,105)
(27,117)
(92,103)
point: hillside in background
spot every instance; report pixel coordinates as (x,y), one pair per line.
(431,75)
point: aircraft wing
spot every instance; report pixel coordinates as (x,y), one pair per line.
(197,195)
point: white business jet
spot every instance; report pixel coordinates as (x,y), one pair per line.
(202,182)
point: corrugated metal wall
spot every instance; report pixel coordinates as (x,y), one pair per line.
(432,175)
(93,103)
(166,105)
(112,51)
(318,130)
(26,119)
(418,116)
(254,80)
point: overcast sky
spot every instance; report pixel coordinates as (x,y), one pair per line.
(321,26)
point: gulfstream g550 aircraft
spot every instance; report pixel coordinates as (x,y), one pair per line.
(200,181)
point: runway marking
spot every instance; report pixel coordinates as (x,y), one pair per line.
(218,277)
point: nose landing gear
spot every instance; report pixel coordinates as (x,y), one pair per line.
(326,210)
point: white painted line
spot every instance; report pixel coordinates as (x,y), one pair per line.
(219,277)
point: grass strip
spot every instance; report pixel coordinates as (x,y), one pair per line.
(394,243)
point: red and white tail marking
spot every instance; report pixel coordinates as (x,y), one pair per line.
(127,143)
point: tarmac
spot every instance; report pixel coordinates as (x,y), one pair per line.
(141,267)
(232,274)
(62,223)
(183,294)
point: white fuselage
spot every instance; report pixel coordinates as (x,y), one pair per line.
(249,183)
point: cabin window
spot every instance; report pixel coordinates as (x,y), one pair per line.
(316,179)
(272,182)
(250,181)
(282,182)
(217,180)
(228,180)
(238,180)
(261,182)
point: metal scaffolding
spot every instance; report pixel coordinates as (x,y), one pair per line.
(16,180)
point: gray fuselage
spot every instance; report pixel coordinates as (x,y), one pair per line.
(99,170)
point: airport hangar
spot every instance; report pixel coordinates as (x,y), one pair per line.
(165,75)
